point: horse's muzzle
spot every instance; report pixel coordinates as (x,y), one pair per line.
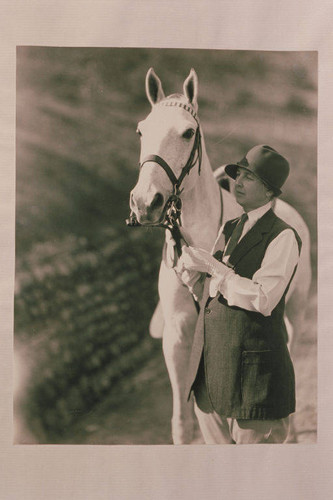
(132,221)
(148,210)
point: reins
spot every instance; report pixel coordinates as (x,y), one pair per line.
(173,206)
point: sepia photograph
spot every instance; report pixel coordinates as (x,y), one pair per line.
(166,246)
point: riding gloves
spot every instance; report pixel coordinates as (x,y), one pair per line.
(197,259)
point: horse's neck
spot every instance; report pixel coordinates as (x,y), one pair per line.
(201,208)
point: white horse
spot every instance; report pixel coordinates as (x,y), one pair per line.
(173,159)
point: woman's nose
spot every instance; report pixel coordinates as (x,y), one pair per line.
(238,181)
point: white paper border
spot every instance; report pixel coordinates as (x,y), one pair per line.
(166,472)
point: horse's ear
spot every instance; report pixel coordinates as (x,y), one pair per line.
(191,88)
(154,88)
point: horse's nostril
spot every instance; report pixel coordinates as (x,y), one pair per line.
(157,201)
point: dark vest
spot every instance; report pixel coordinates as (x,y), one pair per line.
(247,367)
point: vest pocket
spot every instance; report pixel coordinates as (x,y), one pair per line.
(256,376)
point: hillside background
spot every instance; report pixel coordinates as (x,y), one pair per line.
(86,285)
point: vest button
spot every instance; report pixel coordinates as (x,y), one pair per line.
(207,310)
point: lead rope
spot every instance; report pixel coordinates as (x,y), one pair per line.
(196,303)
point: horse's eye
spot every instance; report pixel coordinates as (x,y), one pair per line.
(138,131)
(188,133)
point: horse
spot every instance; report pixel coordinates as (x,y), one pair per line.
(175,169)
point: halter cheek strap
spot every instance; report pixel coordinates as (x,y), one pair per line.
(186,170)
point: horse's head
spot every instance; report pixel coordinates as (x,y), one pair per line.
(170,146)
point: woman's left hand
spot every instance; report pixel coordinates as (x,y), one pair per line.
(196,259)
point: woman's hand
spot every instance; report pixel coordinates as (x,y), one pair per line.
(197,259)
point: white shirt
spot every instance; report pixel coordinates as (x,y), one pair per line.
(263,292)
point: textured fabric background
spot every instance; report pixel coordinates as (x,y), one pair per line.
(126,472)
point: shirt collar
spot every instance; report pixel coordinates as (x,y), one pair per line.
(257,213)
(254,215)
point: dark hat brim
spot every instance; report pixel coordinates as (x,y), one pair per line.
(231,171)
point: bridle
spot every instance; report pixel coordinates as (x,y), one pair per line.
(173,206)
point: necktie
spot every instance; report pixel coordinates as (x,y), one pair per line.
(236,234)
(218,255)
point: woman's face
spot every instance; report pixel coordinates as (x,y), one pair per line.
(250,191)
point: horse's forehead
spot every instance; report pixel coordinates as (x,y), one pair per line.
(163,117)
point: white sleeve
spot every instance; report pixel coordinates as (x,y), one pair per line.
(263,292)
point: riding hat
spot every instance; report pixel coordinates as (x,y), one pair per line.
(266,163)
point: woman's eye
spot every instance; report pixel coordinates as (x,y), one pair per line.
(138,131)
(189,133)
